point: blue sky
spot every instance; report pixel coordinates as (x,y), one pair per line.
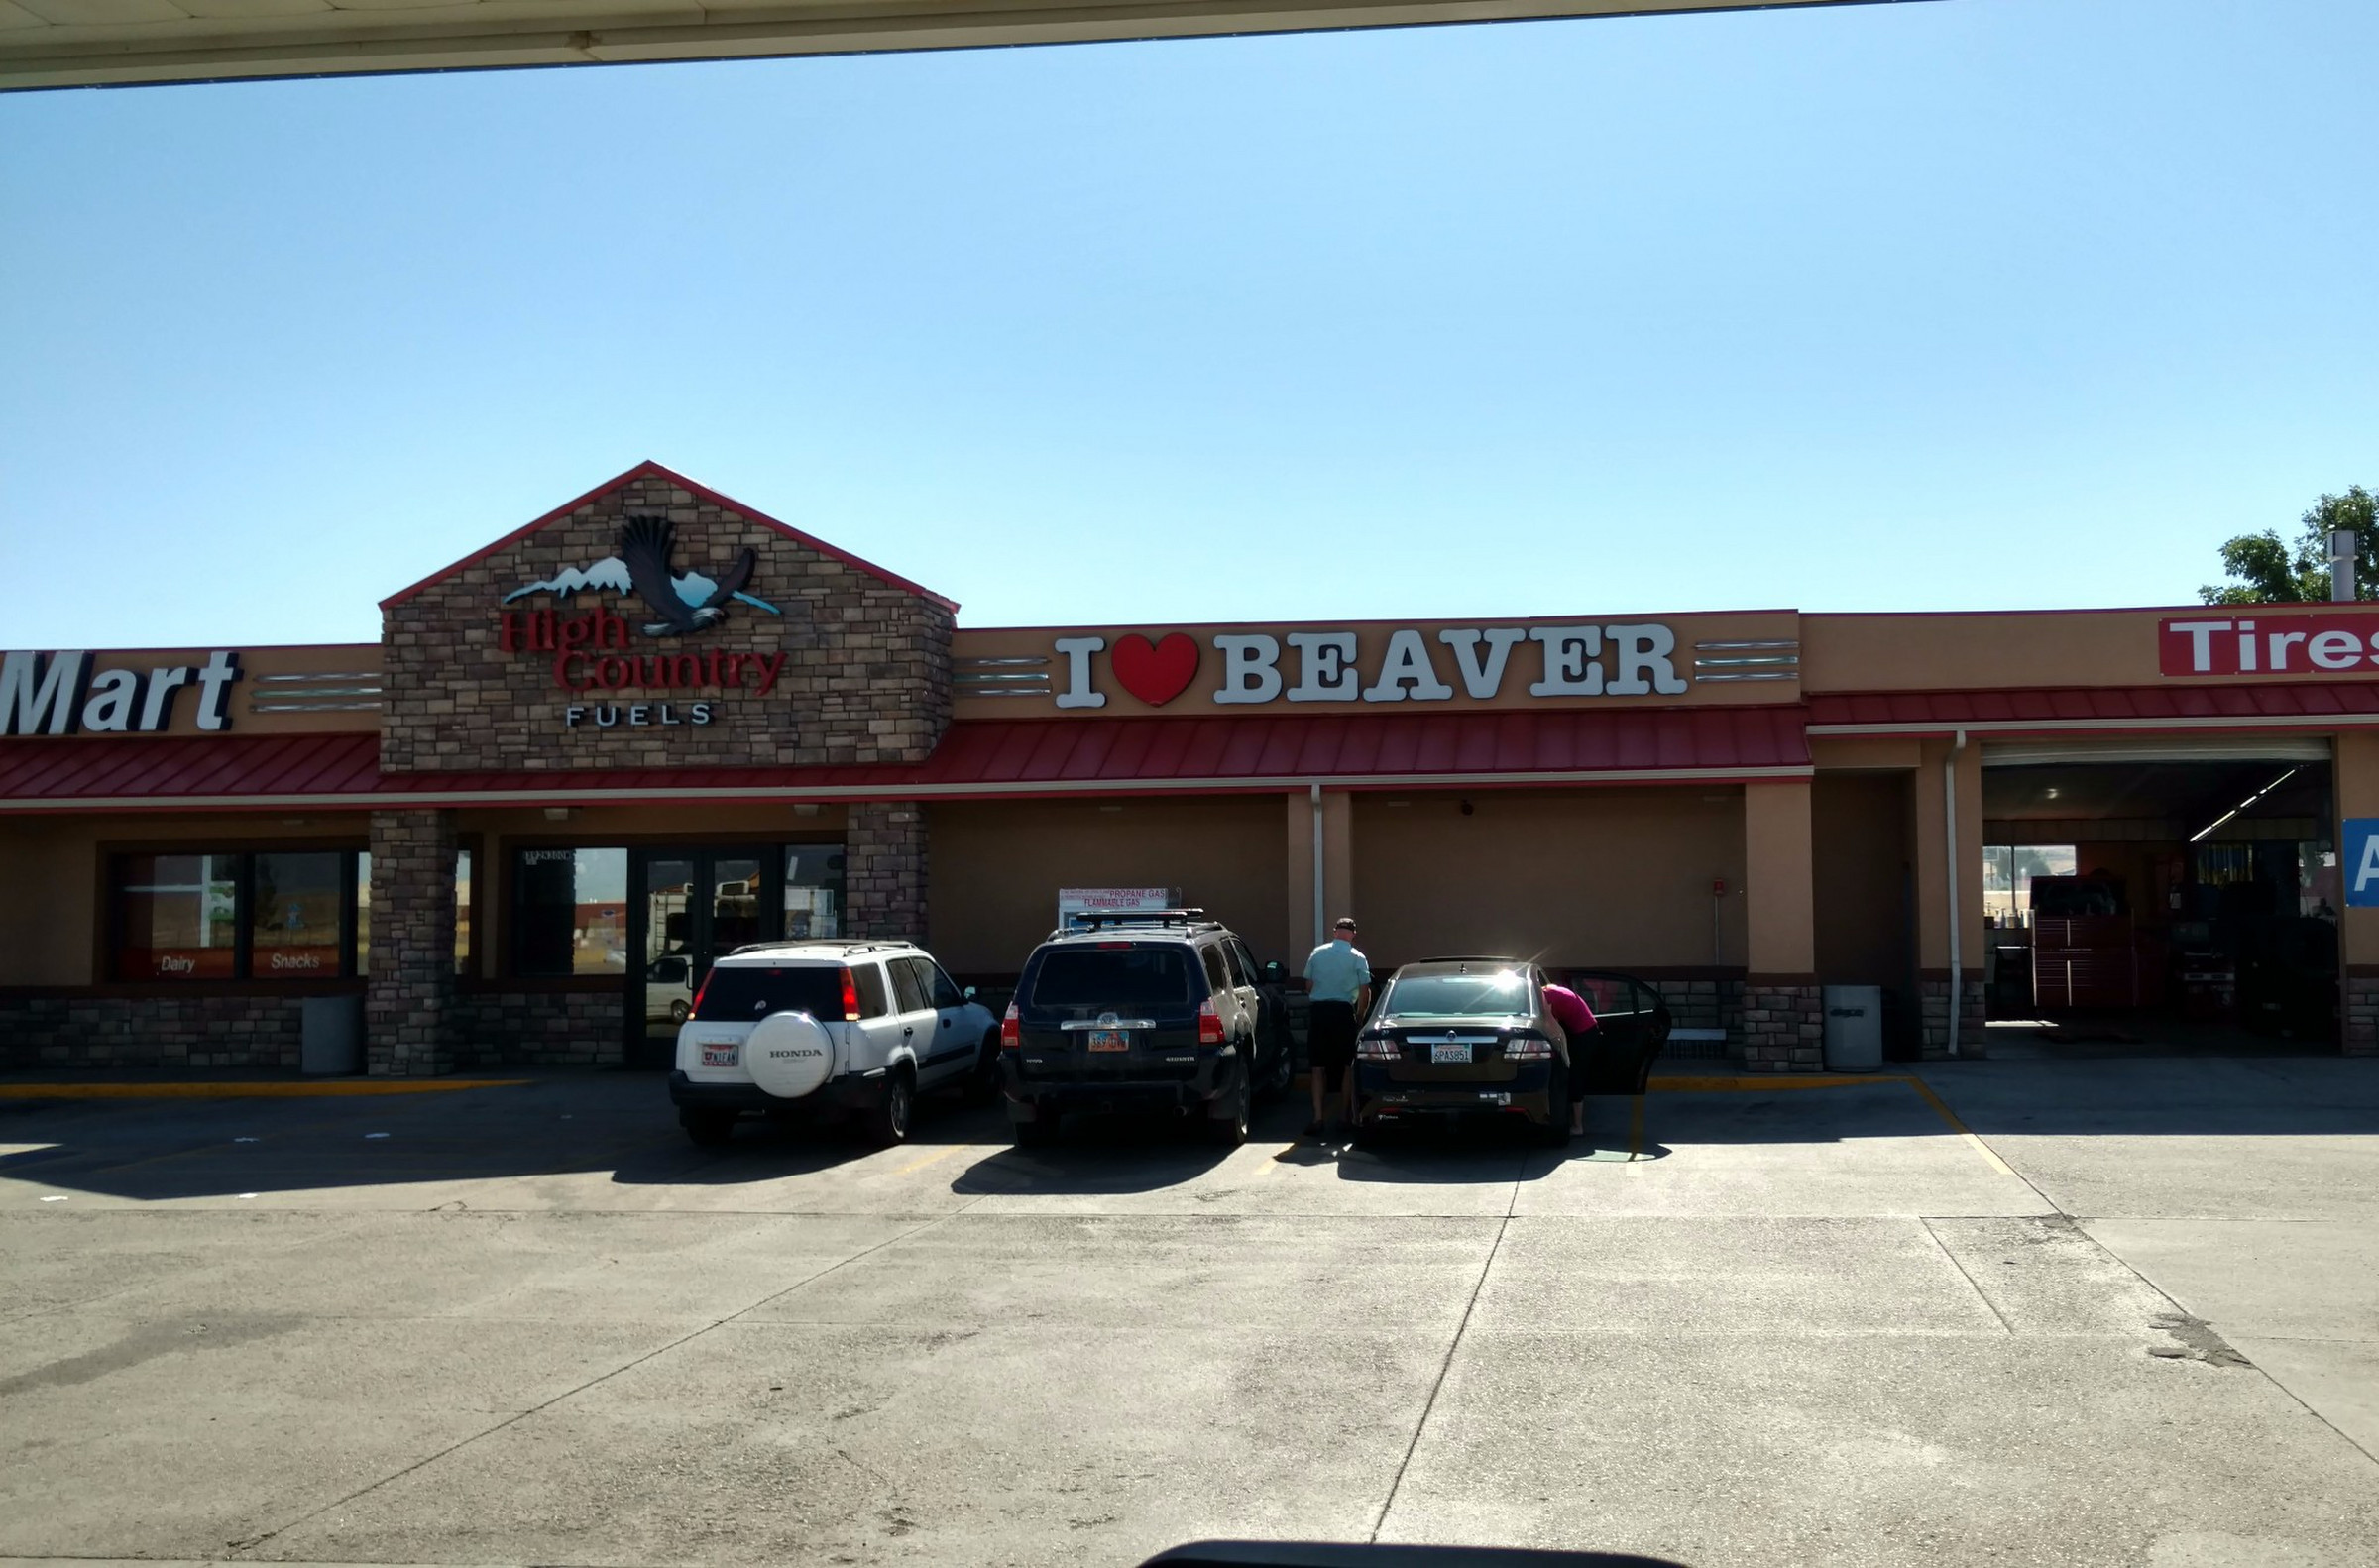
(1964,304)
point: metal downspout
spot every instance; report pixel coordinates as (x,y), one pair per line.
(1949,817)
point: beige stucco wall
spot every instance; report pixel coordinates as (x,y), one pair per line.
(1862,847)
(1778,895)
(2010,648)
(1601,876)
(995,869)
(52,870)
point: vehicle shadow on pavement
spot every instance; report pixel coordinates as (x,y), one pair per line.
(1446,1157)
(613,1124)
(1099,1156)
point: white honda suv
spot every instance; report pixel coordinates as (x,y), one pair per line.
(825,1026)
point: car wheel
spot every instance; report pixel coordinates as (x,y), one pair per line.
(1284,1069)
(678,1012)
(894,1115)
(1555,1132)
(708,1129)
(1228,1126)
(982,1085)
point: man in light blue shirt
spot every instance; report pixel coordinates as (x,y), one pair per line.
(1338,981)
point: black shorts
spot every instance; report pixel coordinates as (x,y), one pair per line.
(1331,1040)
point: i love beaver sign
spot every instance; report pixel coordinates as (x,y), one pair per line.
(1653,660)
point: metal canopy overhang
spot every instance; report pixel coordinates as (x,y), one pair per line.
(62,44)
(978,759)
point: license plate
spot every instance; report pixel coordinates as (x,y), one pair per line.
(718,1055)
(1459,1053)
(1110,1040)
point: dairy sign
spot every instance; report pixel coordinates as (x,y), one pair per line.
(63,694)
(634,669)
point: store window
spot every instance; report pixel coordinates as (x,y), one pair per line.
(296,915)
(2007,873)
(462,911)
(272,915)
(177,917)
(570,912)
(813,890)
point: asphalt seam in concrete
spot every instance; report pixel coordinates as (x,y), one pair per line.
(2082,1228)
(248,1543)
(1444,1367)
(1972,1283)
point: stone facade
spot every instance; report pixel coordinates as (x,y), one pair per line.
(864,678)
(2360,1036)
(884,870)
(409,1003)
(1933,1004)
(1784,1027)
(498,1027)
(150,1031)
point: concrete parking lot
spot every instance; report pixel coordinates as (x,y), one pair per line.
(2068,1313)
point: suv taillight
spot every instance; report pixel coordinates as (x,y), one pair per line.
(1011,1029)
(1528,1047)
(703,990)
(1376,1044)
(850,997)
(1209,1023)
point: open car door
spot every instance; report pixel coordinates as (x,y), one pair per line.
(1631,1025)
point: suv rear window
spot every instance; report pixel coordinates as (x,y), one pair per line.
(1116,977)
(746,993)
(1496,994)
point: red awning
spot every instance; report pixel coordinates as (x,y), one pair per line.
(978,758)
(2306,706)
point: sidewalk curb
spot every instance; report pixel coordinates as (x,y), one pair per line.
(232,1090)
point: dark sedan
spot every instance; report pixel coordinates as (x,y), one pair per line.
(1471,1037)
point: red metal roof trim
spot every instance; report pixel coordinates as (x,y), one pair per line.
(653,470)
(976,756)
(2160,706)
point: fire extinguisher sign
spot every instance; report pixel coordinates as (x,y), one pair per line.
(2362,862)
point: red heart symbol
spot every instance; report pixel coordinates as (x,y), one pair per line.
(1157,672)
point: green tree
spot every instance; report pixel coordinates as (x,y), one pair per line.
(2267,570)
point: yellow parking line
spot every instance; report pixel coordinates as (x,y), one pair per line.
(1960,1128)
(234,1091)
(936,1157)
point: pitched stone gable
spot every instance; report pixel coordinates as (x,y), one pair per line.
(858,664)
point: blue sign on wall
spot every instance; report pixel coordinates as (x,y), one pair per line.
(2361,862)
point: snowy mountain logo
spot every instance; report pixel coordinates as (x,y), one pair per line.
(683,601)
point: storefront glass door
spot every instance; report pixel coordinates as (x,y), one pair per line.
(689,906)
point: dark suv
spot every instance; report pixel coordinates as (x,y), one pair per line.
(1146,1010)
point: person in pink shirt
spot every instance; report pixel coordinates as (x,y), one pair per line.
(1577,1019)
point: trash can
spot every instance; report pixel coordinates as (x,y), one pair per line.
(1854,1028)
(331,1035)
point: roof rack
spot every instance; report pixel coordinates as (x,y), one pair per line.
(1474,957)
(1185,920)
(840,944)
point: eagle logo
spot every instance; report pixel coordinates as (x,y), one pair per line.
(681,601)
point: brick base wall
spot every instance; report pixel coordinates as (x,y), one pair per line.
(539,1028)
(1782,1028)
(1933,1005)
(2360,1036)
(75,1032)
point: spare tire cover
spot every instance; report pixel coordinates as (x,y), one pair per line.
(789,1054)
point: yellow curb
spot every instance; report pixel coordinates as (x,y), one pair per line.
(1754,1083)
(238,1091)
